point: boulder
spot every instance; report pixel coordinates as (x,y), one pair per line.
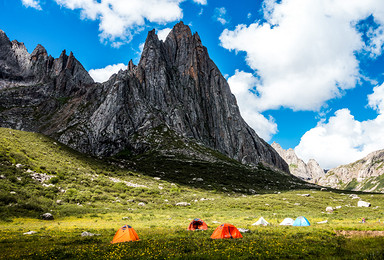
(184,204)
(363,204)
(141,204)
(329,209)
(30,233)
(47,216)
(88,234)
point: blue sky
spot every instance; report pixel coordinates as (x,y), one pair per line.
(307,74)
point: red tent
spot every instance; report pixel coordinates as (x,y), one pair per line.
(226,231)
(197,224)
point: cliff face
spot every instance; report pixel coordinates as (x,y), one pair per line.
(310,172)
(365,174)
(176,88)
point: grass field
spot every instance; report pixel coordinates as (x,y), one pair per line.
(88,194)
(163,232)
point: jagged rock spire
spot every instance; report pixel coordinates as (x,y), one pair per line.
(174,86)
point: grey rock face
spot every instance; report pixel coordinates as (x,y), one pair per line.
(175,87)
(364,174)
(311,171)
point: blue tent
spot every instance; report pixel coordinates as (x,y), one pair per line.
(301,221)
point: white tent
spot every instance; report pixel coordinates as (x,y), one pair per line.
(261,221)
(287,222)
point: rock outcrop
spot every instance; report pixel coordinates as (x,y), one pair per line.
(176,90)
(365,174)
(310,171)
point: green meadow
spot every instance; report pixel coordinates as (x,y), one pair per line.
(99,196)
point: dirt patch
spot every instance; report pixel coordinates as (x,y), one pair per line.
(355,233)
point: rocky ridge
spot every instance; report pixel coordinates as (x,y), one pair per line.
(310,171)
(175,91)
(366,174)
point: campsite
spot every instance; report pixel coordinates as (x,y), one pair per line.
(163,232)
(159,217)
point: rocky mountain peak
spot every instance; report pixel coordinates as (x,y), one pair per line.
(180,32)
(310,171)
(3,36)
(39,50)
(176,88)
(131,66)
(364,174)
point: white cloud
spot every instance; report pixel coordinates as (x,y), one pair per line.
(102,75)
(375,46)
(162,34)
(304,53)
(376,99)
(220,15)
(202,2)
(240,83)
(343,139)
(32,3)
(119,20)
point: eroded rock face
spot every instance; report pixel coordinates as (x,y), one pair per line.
(310,171)
(364,174)
(175,87)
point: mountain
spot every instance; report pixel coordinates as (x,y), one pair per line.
(175,101)
(310,171)
(366,174)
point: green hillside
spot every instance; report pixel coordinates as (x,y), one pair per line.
(73,178)
(84,193)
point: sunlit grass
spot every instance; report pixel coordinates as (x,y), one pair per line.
(91,201)
(61,239)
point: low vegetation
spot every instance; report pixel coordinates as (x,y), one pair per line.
(39,175)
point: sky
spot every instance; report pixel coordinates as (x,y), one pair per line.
(307,74)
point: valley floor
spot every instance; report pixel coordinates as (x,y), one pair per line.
(163,232)
(39,175)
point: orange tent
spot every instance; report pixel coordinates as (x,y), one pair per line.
(125,234)
(226,231)
(197,224)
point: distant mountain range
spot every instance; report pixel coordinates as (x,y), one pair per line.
(366,174)
(310,171)
(174,101)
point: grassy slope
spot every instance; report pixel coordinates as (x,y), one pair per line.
(80,179)
(160,224)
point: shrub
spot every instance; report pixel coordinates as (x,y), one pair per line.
(6,199)
(54,180)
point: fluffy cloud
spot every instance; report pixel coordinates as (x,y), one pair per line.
(220,15)
(162,34)
(343,139)
(240,83)
(121,19)
(102,75)
(202,2)
(304,54)
(376,99)
(32,3)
